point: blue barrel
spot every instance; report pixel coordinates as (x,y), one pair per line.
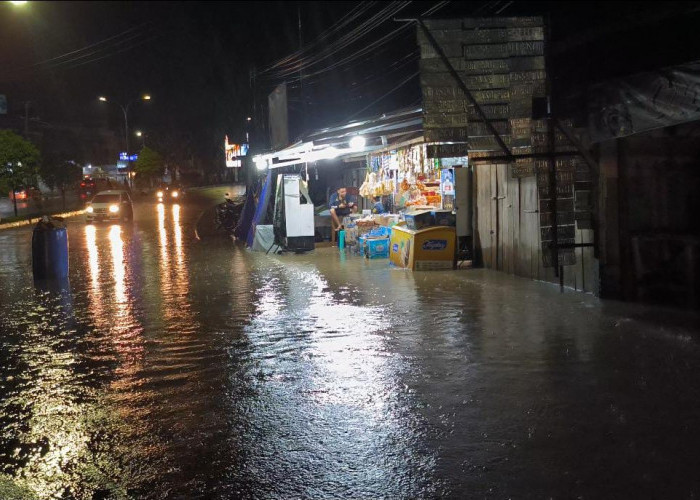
(50,250)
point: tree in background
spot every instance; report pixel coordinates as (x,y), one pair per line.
(19,159)
(149,165)
(61,155)
(61,175)
(177,151)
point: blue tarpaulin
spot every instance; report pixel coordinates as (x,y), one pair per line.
(261,209)
(243,226)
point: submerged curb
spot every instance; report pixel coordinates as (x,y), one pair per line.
(31,220)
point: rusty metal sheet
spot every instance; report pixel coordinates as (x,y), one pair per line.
(443,92)
(484,66)
(534,48)
(524,167)
(520,132)
(542,139)
(505,22)
(445,120)
(561,164)
(527,76)
(442,24)
(564,232)
(486,51)
(479,129)
(467,67)
(502,50)
(492,111)
(453,49)
(446,134)
(526,63)
(455,134)
(491,96)
(431,106)
(447,150)
(484,35)
(535,33)
(473,82)
(559,150)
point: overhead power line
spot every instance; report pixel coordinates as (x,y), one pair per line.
(343,42)
(125,49)
(351,16)
(371,48)
(77,54)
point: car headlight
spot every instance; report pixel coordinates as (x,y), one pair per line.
(159,194)
(175,194)
(114,208)
(89,209)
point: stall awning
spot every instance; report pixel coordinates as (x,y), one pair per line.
(351,140)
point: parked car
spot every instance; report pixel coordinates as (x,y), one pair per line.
(90,186)
(112,205)
(25,193)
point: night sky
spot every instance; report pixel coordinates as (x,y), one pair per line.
(196,58)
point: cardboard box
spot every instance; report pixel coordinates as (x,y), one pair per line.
(444,218)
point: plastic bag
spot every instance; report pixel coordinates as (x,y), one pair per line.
(365,189)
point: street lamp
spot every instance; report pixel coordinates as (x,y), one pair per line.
(125,110)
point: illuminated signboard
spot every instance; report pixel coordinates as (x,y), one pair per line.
(234,152)
(125,157)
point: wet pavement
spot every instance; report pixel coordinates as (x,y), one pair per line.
(178,368)
(50,204)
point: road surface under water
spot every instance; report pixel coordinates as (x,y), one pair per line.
(177,368)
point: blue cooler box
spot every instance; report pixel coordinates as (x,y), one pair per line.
(377,248)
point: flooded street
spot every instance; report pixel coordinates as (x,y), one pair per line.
(178,368)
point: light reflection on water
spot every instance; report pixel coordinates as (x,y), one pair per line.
(329,379)
(190,370)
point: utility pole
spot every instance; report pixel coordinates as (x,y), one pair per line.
(301,76)
(125,110)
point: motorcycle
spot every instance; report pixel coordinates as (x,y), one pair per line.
(227,215)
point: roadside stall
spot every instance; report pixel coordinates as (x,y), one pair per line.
(420,233)
(405,189)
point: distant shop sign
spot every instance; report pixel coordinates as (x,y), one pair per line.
(127,157)
(234,153)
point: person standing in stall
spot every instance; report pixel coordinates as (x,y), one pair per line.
(378,206)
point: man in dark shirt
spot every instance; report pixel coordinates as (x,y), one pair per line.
(341,205)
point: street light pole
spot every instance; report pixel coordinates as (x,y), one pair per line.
(126,136)
(125,111)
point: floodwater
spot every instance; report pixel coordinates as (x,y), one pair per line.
(177,368)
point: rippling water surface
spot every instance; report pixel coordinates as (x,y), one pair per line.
(174,368)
